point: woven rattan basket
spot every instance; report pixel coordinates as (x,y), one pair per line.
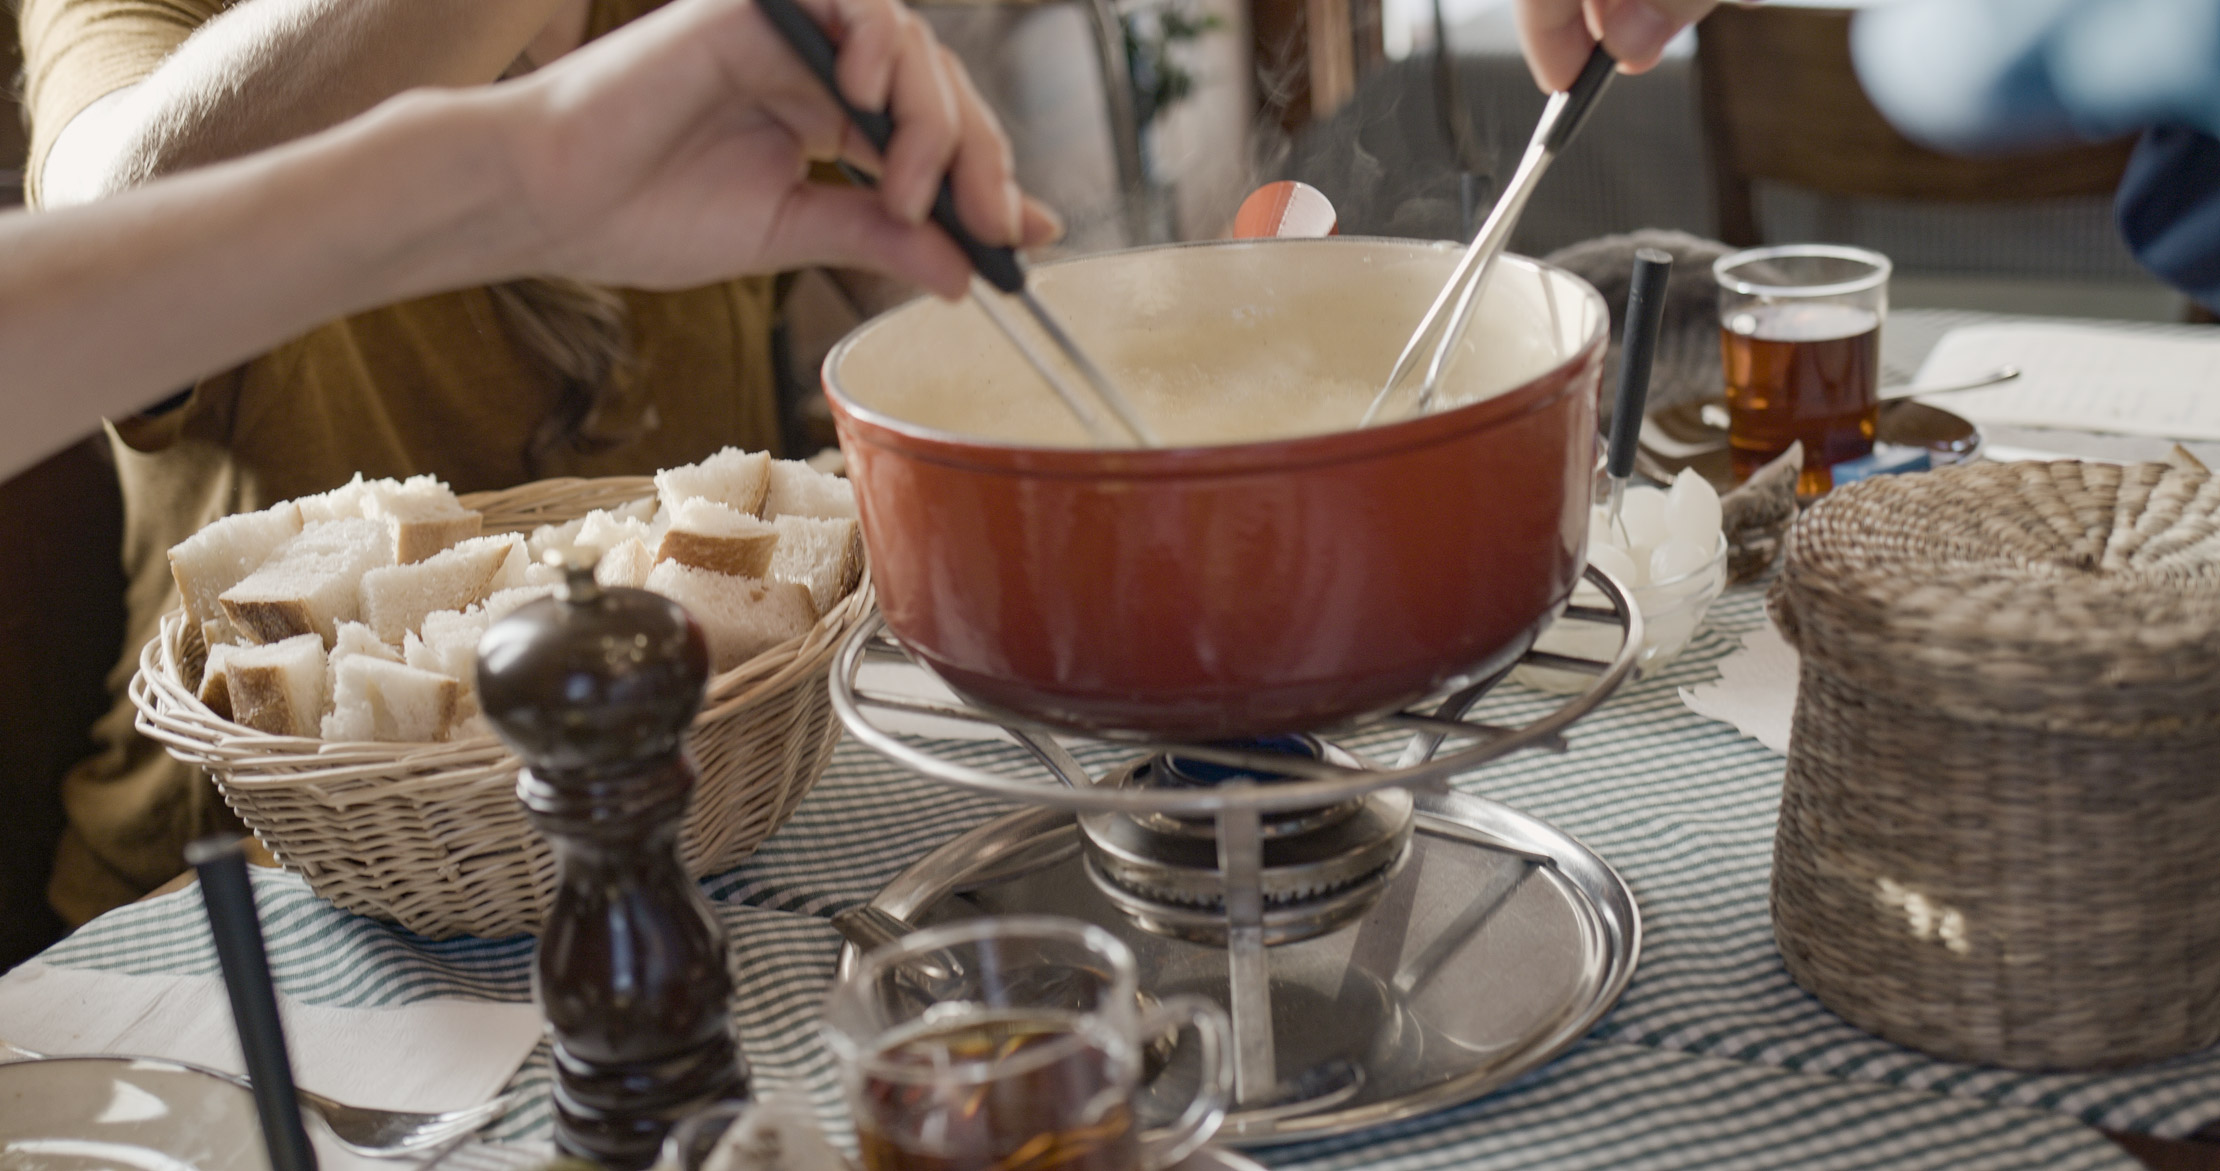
(2000,831)
(431,836)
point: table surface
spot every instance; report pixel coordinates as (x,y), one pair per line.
(1713,1058)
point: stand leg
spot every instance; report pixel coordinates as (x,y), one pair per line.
(1249,975)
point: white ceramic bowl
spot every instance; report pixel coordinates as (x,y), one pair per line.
(1672,611)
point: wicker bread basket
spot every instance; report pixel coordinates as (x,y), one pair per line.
(431,836)
(2000,830)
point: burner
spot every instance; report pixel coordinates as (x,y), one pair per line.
(1476,942)
(1322,867)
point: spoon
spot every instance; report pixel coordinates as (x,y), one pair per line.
(1561,119)
(1645,310)
(997,267)
(1715,414)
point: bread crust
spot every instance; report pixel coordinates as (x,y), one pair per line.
(737,556)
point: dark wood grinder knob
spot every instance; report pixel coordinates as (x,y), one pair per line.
(594,688)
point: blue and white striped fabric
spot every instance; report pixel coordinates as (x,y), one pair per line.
(1713,1059)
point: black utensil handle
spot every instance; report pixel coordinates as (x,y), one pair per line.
(1645,309)
(238,932)
(1581,98)
(998,265)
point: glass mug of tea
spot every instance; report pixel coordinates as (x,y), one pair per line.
(1800,339)
(1014,1044)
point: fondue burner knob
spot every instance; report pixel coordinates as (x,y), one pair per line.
(595,688)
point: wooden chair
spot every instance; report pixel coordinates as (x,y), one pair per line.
(1782,103)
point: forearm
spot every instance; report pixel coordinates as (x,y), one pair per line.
(106,308)
(269,71)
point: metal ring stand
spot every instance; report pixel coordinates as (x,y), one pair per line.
(1064,782)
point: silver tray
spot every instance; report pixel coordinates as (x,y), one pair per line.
(1498,945)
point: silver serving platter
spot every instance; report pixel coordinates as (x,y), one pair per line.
(1498,944)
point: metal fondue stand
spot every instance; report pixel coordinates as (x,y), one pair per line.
(1148,828)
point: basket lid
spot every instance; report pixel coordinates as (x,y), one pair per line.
(2044,591)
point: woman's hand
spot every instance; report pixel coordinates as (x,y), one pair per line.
(675,151)
(1559,34)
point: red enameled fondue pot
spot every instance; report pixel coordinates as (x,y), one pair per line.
(1241,580)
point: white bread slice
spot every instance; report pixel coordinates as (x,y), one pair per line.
(342,503)
(309,584)
(219,631)
(423,515)
(448,644)
(395,599)
(377,700)
(743,616)
(557,537)
(353,638)
(603,531)
(626,565)
(501,605)
(642,510)
(708,535)
(800,490)
(823,553)
(511,573)
(222,554)
(278,688)
(737,479)
(356,638)
(215,688)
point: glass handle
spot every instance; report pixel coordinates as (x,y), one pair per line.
(1214,1092)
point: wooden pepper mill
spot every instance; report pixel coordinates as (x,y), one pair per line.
(594,688)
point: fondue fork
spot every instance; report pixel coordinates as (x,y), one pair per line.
(996,267)
(1645,312)
(1561,119)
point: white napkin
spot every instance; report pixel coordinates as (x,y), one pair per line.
(1755,691)
(430,1056)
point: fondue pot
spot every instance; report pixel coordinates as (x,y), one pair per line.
(1274,567)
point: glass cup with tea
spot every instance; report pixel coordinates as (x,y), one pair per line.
(1014,1044)
(1800,337)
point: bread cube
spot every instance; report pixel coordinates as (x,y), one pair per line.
(708,535)
(823,554)
(422,515)
(396,598)
(377,700)
(342,503)
(737,479)
(743,616)
(225,552)
(278,688)
(797,489)
(626,565)
(448,643)
(309,584)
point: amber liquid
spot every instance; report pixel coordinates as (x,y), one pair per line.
(1061,1113)
(1801,374)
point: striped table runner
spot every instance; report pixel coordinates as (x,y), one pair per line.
(1713,1059)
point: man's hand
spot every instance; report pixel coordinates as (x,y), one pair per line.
(1559,34)
(675,151)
